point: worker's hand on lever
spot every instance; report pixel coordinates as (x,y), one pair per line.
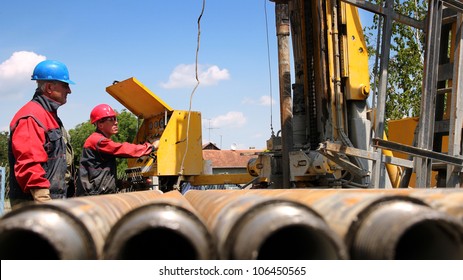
(155,144)
(40,195)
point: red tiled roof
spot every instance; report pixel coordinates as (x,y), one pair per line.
(229,158)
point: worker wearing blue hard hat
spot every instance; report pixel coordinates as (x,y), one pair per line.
(40,154)
(51,70)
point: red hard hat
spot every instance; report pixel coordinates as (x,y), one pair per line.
(101,111)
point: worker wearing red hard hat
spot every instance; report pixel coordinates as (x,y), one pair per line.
(97,171)
(40,154)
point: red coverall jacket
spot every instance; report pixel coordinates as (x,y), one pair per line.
(97,171)
(37,150)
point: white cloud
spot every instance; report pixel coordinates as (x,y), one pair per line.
(184,76)
(248,101)
(266,100)
(15,74)
(263,101)
(231,119)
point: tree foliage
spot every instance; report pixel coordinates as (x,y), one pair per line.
(4,136)
(78,136)
(405,71)
(128,128)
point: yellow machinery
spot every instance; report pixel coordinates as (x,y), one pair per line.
(328,104)
(331,135)
(179,155)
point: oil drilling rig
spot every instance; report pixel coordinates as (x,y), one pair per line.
(330,136)
(333,128)
(362,193)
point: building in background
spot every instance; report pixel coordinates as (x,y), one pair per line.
(226,162)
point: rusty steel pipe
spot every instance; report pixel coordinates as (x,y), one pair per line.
(44,232)
(365,219)
(259,227)
(65,229)
(167,228)
(407,231)
(449,201)
(446,200)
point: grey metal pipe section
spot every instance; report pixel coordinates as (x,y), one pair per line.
(65,229)
(44,232)
(407,231)
(394,223)
(167,228)
(258,227)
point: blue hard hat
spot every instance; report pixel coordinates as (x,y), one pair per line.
(51,70)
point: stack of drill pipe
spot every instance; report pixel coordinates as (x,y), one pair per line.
(166,228)
(74,229)
(448,200)
(259,227)
(375,225)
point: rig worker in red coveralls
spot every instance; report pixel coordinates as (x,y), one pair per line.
(97,171)
(39,146)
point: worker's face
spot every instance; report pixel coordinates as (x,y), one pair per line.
(57,91)
(109,126)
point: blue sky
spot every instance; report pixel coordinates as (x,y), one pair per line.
(154,41)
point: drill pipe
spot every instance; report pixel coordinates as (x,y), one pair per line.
(258,227)
(449,201)
(446,200)
(378,226)
(74,228)
(167,228)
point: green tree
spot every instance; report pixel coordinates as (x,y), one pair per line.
(4,136)
(128,127)
(406,61)
(78,136)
